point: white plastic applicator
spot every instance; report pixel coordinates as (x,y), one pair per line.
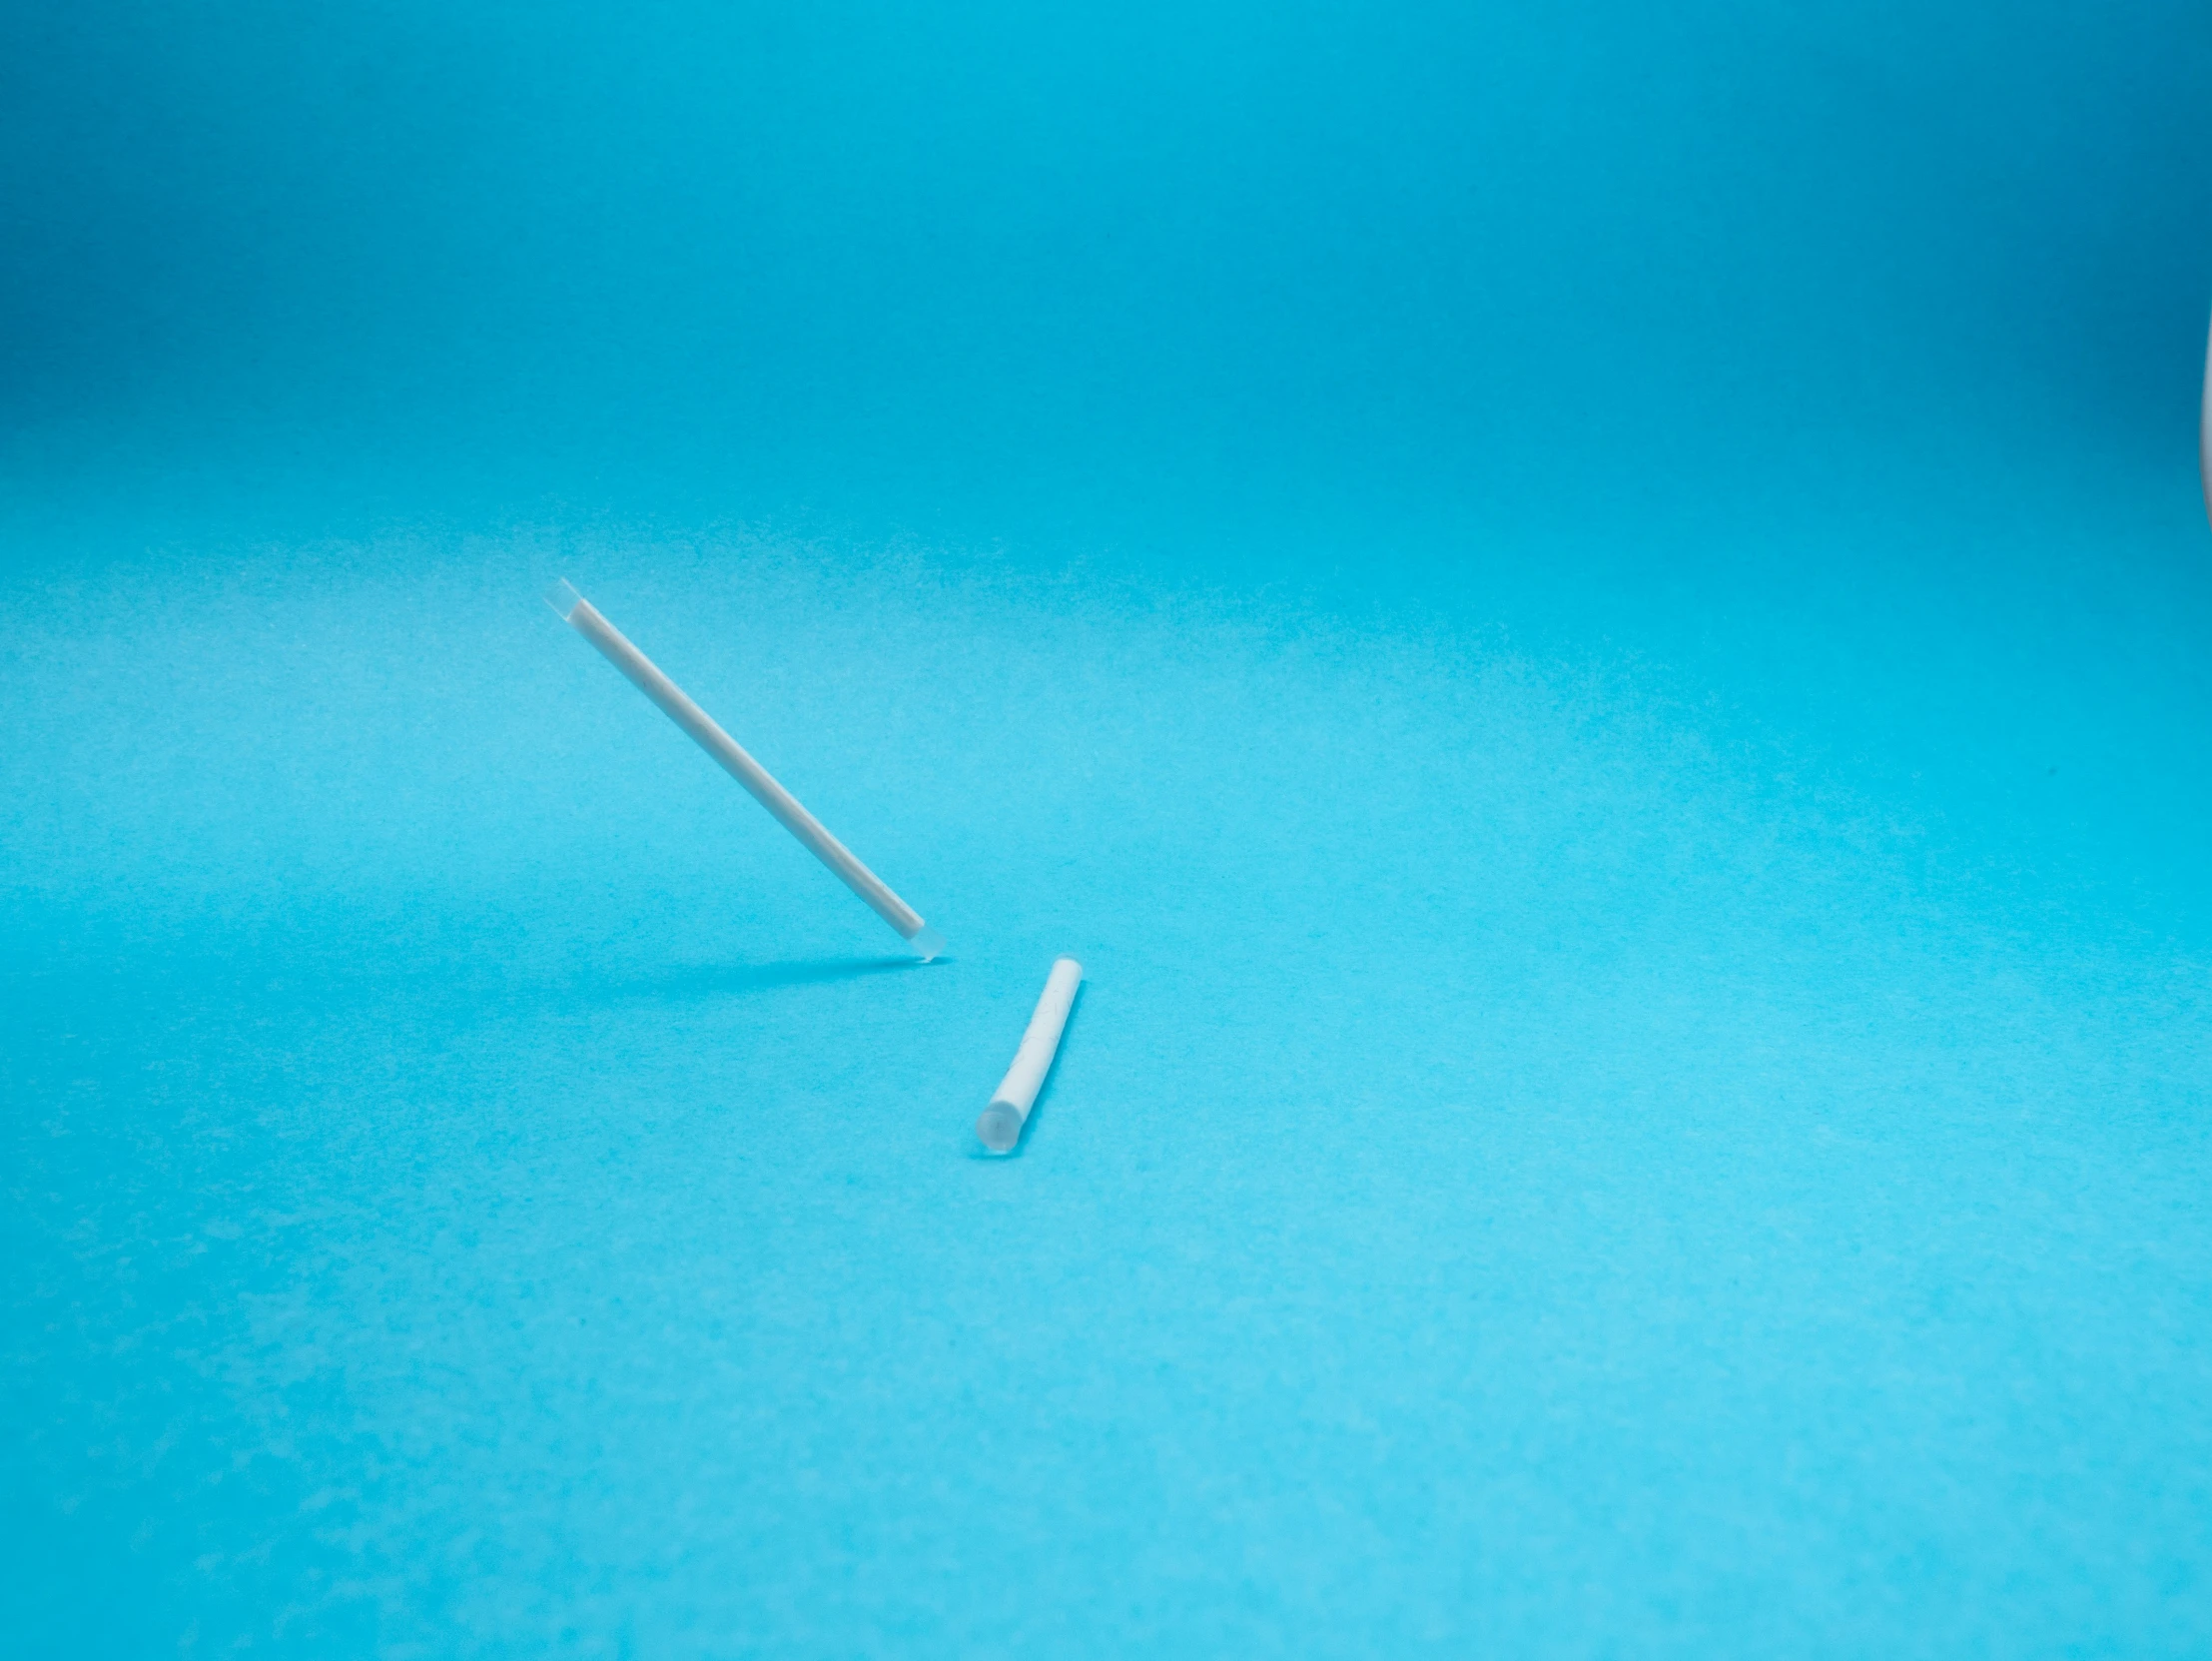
(579,614)
(1000,1123)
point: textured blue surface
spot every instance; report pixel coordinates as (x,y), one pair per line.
(1593,623)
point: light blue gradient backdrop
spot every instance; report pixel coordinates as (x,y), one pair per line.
(1594,623)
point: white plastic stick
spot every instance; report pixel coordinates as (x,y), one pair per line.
(1000,1123)
(581,615)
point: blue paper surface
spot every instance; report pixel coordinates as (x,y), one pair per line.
(1593,626)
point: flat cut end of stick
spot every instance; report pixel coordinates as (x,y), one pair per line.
(1000,1128)
(562,598)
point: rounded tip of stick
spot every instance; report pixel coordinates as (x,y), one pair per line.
(927,944)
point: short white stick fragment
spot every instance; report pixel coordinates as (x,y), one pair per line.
(579,614)
(1000,1123)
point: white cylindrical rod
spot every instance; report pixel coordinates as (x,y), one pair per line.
(1000,1123)
(581,615)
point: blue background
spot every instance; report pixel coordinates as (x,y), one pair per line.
(1592,620)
